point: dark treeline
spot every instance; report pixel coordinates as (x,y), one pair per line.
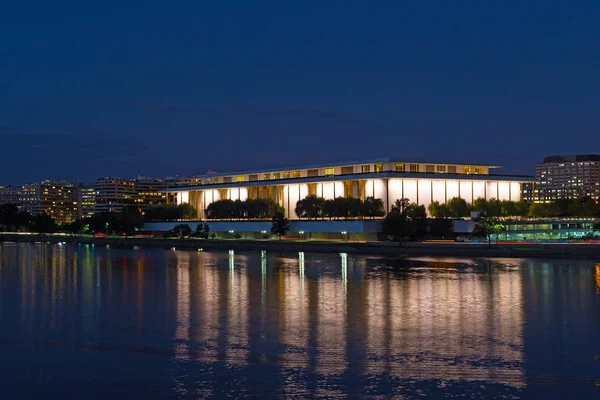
(13,220)
(459,208)
(170,212)
(313,207)
(127,221)
(583,207)
(239,209)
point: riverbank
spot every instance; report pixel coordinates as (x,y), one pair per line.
(445,249)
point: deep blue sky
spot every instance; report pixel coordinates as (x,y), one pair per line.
(163,88)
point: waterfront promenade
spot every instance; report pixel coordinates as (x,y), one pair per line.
(580,250)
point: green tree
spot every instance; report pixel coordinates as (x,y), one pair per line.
(457,207)
(438,210)
(280,225)
(187,211)
(486,227)
(479,205)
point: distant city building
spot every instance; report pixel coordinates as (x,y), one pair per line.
(567,177)
(87,201)
(10,194)
(58,199)
(149,191)
(112,194)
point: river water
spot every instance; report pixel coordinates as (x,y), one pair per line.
(86,322)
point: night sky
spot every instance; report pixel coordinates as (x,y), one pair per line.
(92,89)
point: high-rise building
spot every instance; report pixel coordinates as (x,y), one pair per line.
(87,201)
(112,194)
(150,191)
(10,194)
(567,177)
(58,199)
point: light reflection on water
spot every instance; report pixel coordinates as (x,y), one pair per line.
(159,324)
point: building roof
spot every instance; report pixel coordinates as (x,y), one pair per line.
(573,158)
(335,164)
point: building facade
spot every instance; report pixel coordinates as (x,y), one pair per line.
(386,179)
(149,192)
(567,177)
(87,201)
(58,199)
(10,194)
(112,194)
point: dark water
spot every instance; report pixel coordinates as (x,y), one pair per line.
(85,323)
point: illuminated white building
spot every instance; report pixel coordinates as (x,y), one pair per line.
(386,179)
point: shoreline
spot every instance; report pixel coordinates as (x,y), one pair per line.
(411,249)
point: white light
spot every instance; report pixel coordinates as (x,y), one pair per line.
(263,231)
(301,232)
(344,232)
(231,231)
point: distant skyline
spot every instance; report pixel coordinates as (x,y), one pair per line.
(92,90)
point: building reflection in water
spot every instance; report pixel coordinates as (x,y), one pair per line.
(597,276)
(329,316)
(444,323)
(182,331)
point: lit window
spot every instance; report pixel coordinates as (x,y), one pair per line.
(478,170)
(466,169)
(365,168)
(414,167)
(440,168)
(329,171)
(276,175)
(239,178)
(286,175)
(378,168)
(296,174)
(400,167)
(266,177)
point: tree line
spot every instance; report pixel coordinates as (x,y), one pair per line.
(243,209)
(458,207)
(313,207)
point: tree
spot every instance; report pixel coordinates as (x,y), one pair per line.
(438,210)
(130,219)
(310,207)
(280,225)
(404,220)
(44,223)
(163,212)
(373,207)
(418,219)
(202,231)
(457,207)
(181,230)
(13,219)
(187,211)
(486,227)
